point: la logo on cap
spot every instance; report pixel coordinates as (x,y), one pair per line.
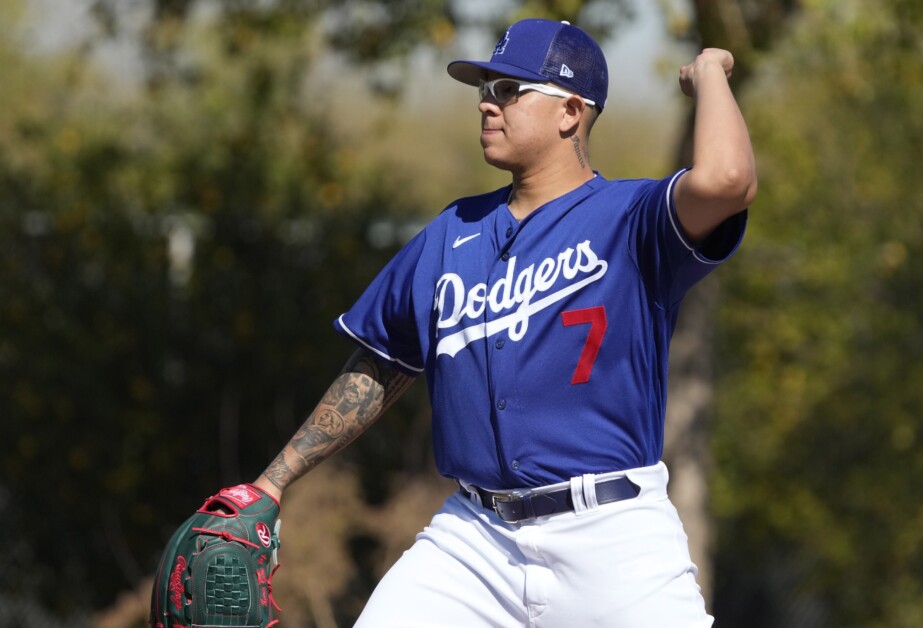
(500,48)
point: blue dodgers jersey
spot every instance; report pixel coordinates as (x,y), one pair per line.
(545,342)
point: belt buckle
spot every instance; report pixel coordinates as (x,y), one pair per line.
(517,514)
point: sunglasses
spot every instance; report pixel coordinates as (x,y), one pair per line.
(506,90)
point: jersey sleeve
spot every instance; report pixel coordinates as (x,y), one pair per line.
(382,319)
(669,263)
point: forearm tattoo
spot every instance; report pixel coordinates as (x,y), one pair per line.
(581,152)
(361,393)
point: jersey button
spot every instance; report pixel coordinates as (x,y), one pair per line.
(499,344)
(505,257)
(501,404)
(509,232)
(515,465)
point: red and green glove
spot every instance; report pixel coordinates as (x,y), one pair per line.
(217,568)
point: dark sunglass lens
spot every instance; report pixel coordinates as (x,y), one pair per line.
(506,90)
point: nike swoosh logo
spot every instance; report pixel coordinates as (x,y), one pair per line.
(460,240)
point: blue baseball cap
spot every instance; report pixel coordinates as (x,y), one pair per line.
(544,51)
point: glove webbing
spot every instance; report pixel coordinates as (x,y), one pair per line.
(227,536)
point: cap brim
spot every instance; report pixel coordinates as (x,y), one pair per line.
(470,72)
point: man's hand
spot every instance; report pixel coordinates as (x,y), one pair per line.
(708,59)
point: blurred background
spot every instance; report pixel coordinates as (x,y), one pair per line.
(192,190)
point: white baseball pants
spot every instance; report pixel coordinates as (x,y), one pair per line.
(620,565)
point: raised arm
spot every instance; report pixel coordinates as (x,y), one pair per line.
(722,181)
(365,388)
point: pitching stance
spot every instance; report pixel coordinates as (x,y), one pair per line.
(541,315)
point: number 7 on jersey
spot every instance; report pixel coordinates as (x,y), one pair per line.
(596,317)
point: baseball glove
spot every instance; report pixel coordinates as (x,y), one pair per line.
(217,568)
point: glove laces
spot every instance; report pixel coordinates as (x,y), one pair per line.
(263,579)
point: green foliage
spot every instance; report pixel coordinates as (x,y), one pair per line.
(818,433)
(137,374)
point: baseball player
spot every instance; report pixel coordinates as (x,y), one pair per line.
(541,315)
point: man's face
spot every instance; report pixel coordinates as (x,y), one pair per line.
(514,135)
(356,390)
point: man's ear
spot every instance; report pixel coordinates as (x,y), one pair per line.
(571,112)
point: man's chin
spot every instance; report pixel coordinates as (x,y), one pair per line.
(497,162)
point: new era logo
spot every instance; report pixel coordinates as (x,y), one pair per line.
(566,71)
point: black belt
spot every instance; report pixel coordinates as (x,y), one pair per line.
(513,506)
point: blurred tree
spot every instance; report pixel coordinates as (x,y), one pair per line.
(165,258)
(749,30)
(817,436)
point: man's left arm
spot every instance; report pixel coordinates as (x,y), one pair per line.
(722,180)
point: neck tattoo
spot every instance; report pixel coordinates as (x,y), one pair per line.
(577,149)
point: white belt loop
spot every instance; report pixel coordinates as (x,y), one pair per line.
(473,495)
(576,494)
(583,493)
(589,491)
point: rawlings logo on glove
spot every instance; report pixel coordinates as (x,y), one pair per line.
(217,567)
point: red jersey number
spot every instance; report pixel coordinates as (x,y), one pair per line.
(596,317)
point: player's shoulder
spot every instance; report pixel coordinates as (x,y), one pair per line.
(625,186)
(461,214)
(476,207)
(630,190)
(615,195)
